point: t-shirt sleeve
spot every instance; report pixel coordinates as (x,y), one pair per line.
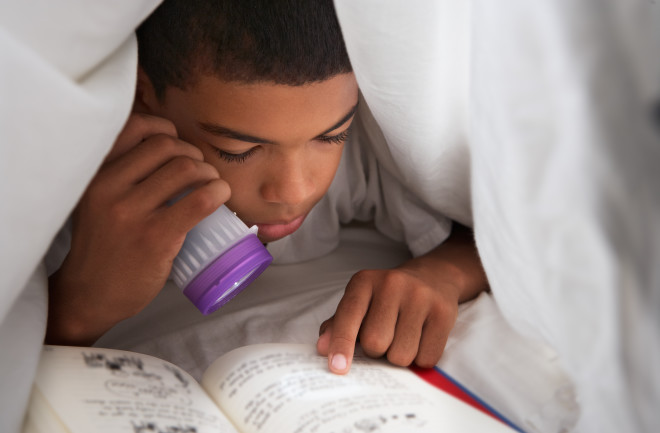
(396,211)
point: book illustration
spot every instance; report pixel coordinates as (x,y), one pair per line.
(376,424)
(121,365)
(352,408)
(127,365)
(152,427)
(397,422)
(101,390)
(130,378)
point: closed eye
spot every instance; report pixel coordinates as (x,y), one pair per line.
(235,157)
(336,139)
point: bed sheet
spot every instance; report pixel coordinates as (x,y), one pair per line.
(519,377)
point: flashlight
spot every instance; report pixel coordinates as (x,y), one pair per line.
(219,258)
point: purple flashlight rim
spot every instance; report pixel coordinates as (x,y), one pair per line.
(220,276)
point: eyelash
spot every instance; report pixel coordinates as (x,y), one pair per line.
(336,139)
(242,157)
(234,157)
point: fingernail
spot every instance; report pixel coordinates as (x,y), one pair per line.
(339,362)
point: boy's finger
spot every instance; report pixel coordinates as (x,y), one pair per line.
(378,327)
(139,127)
(144,159)
(194,207)
(406,337)
(346,325)
(171,180)
(431,344)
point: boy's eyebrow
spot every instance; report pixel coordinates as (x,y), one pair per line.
(342,121)
(229,133)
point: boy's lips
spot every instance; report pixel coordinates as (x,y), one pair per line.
(275,231)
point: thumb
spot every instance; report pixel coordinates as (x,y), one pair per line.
(323,343)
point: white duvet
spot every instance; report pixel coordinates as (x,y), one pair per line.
(538,114)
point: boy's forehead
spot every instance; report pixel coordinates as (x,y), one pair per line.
(213,100)
(209,85)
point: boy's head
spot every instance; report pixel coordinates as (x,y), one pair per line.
(264,88)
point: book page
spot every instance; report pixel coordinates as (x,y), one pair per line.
(104,390)
(288,388)
(41,417)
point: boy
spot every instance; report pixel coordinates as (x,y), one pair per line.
(249,104)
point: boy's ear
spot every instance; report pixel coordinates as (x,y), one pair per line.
(145,96)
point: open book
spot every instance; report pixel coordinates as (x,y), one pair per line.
(274,388)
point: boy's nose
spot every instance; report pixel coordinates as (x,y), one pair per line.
(289,184)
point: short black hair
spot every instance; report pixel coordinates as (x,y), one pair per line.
(290,42)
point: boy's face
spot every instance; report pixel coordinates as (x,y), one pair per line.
(277,146)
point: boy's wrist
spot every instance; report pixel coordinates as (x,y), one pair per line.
(440,275)
(68,330)
(71,322)
(455,264)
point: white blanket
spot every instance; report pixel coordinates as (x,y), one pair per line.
(67,77)
(564,142)
(566,189)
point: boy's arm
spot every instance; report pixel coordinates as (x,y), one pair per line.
(125,235)
(405,313)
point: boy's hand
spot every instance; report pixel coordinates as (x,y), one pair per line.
(125,235)
(394,313)
(404,313)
